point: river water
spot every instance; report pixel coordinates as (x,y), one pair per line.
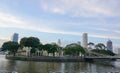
(11,66)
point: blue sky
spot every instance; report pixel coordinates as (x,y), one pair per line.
(51,20)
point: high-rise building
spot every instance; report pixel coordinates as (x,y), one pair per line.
(15,37)
(59,42)
(84,40)
(109,45)
(79,43)
(118,51)
(60,51)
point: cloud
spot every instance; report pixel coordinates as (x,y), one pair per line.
(108,30)
(8,18)
(82,8)
(117,31)
(11,21)
(104,36)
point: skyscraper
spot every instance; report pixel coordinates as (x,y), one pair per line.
(60,51)
(15,37)
(109,45)
(84,40)
(79,43)
(59,42)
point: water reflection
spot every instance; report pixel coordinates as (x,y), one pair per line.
(54,67)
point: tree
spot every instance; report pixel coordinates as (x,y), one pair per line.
(54,48)
(51,48)
(47,48)
(23,42)
(74,50)
(103,51)
(91,45)
(10,46)
(100,46)
(41,48)
(32,42)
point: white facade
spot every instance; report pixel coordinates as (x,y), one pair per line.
(60,52)
(59,42)
(118,52)
(84,40)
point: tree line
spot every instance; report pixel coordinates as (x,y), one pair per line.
(35,45)
(70,49)
(100,48)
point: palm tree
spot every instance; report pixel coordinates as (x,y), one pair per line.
(91,45)
(100,46)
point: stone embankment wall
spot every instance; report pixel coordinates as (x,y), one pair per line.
(47,58)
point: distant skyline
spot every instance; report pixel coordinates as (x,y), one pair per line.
(15,37)
(50,20)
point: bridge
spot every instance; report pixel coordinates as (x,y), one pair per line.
(94,55)
(102,57)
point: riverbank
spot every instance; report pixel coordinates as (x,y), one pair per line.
(47,58)
(10,66)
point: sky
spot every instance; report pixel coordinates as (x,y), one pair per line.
(50,20)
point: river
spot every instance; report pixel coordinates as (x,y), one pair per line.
(12,66)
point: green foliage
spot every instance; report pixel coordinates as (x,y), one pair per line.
(102,51)
(47,47)
(30,42)
(10,46)
(73,50)
(90,43)
(51,48)
(33,50)
(23,42)
(100,46)
(40,47)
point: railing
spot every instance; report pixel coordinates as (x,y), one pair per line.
(110,57)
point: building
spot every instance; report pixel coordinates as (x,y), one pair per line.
(15,37)
(109,45)
(60,51)
(118,52)
(59,42)
(79,43)
(84,40)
